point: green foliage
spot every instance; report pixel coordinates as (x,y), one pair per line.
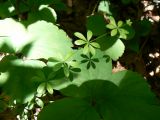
(104,7)
(94,100)
(41,14)
(39,61)
(112,46)
(89,46)
(98,22)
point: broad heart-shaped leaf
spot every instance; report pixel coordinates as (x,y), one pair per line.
(125,96)
(133,93)
(15,36)
(41,14)
(112,46)
(130,31)
(100,68)
(48,41)
(96,24)
(18,74)
(69,109)
(40,40)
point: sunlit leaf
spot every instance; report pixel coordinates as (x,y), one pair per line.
(112,21)
(66,70)
(120,23)
(41,14)
(41,88)
(39,102)
(89,35)
(110,26)
(94,44)
(114,32)
(112,46)
(49,88)
(85,49)
(104,7)
(92,50)
(79,35)
(80,42)
(48,41)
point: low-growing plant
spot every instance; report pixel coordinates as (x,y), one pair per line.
(39,61)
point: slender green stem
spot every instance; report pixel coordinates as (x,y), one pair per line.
(100,37)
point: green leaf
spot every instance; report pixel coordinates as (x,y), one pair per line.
(94,44)
(51,75)
(38,39)
(39,102)
(55,59)
(92,50)
(66,70)
(112,46)
(112,21)
(102,69)
(104,7)
(41,14)
(110,26)
(41,88)
(14,40)
(79,35)
(89,35)
(85,49)
(20,83)
(31,106)
(57,66)
(74,63)
(96,24)
(129,22)
(44,36)
(80,42)
(66,109)
(120,23)
(123,31)
(123,92)
(130,31)
(55,63)
(49,88)
(114,32)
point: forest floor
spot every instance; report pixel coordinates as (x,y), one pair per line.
(147,61)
